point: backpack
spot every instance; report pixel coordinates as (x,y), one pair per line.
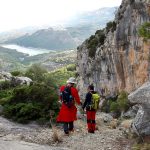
(95,101)
(66,97)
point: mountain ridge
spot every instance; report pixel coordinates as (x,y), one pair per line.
(74,34)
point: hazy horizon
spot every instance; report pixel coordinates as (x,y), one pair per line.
(17,14)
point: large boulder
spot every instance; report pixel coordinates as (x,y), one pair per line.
(131,113)
(21,80)
(5,75)
(141,123)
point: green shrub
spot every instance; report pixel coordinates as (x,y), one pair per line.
(5,85)
(144,30)
(101,36)
(144,146)
(95,41)
(123,101)
(16,73)
(5,96)
(4,93)
(4,100)
(35,102)
(36,72)
(60,76)
(31,103)
(22,112)
(111,26)
(92,45)
(71,67)
(114,107)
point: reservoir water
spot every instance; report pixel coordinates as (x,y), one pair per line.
(26,50)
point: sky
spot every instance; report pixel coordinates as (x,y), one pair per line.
(16,14)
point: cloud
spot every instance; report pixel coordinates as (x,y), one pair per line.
(21,13)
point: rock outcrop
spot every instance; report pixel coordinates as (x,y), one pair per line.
(141,123)
(14,81)
(5,75)
(20,81)
(118,60)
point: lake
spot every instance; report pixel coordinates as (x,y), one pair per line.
(26,50)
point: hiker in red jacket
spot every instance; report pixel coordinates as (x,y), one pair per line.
(68,110)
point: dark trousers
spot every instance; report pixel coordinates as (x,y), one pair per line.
(91,120)
(68,126)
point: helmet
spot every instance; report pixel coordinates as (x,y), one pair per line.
(71,80)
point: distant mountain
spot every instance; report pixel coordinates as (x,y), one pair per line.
(47,39)
(12,34)
(80,28)
(96,18)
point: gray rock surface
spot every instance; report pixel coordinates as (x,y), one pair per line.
(20,145)
(141,95)
(141,123)
(131,113)
(121,63)
(15,136)
(14,80)
(107,118)
(21,80)
(5,75)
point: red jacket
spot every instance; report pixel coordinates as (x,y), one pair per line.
(67,114)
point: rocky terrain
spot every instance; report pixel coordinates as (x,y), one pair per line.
(15,136)
(110,134)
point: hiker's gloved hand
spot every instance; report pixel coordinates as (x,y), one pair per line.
(84,111)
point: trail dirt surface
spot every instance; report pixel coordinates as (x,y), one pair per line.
(15,136)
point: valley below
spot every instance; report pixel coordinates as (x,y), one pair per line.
(14,57)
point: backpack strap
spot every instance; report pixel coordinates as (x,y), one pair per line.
(69,89)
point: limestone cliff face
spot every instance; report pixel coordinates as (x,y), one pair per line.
(122,61)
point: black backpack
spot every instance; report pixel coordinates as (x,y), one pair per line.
(66,97)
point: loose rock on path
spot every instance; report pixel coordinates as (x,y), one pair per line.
(15,136)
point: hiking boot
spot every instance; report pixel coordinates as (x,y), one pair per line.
(90,131)
(71,130)
(66,133)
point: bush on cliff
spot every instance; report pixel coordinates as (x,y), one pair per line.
(111,26)
(94,41)
(144,30)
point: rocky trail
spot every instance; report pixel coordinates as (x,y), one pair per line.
(15,136)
